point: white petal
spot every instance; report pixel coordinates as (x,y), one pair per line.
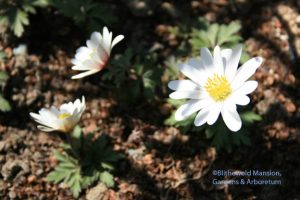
(103,55)
(67,108)
(233,62)
(242,100)
(45,128)
(206,58)
(190,107)
(214,113)
(201,117)
(192,73)
(82,68)
(197,64)
(106,42)
(182,85)
(117,40)
(218,62)
(226,53)
(46,118)
(229,103)
(231,119)
(247,88)
(185,94)
(83,53)
(84,74)
(205,73)
(36,117)
(96,38)
(246,71)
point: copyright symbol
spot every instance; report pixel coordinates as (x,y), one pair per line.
(214,172)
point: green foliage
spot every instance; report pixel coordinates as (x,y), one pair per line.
(3,56)
(84,161)
(4,104)
(250,117)
(119,70)
(210,35)
(215,34)
(138,79)
(15,14)
(223,138)
(86,12)
(171,71)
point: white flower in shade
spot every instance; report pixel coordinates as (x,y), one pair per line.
(95,56)
(216,86)
(63,119)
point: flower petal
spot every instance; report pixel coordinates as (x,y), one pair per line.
(95,40)
(182,85)
(201,117)
(191,72)
(190,107)
(247,88)
(231,119)
(186,94)
(246,71)
(84,74)
(45,128)
(214,113)
(242,100)
(218,62)
(206,58)
(226,53)
(233,62)
(106,41)
(117,40)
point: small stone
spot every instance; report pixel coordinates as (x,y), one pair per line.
(12,195)
(290,107)
(148,159)
(96,192)
(39,172)
(31,179)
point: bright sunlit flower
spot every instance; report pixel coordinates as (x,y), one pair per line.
(95,56)
(216,86)
(63,119)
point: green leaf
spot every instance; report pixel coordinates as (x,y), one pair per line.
(172,69)
(215,34)
(4,104)
(60,156)
(40,3)
(56,176)
(3,77)
(226,33)
(107,166)
(75,183)
(212,34)
(18,20)
(249,117)
(107,179)
(222,138)
(3,56)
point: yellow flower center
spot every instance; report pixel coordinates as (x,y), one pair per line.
(218,87)
(64,116)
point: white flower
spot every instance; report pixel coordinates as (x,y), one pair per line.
(63,119)
(216,86)
(95,56)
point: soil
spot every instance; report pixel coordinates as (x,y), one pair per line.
(160,162)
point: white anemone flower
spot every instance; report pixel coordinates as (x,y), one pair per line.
(95,56)
(63,119)
(216,86)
